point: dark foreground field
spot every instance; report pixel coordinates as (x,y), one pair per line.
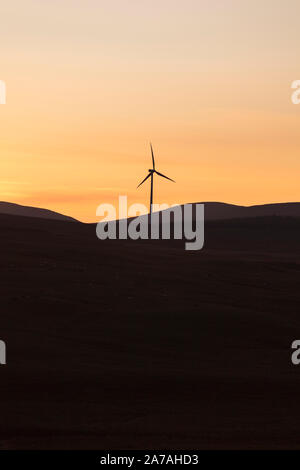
(143,345)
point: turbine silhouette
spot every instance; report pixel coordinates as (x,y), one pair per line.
(151,175)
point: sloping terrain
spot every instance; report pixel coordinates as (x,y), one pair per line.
(220,210)
(27,211)
(141,344)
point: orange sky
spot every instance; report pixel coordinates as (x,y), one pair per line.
(90,83)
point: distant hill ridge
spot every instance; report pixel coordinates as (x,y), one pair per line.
(213,211)
(27,211)
(220,210)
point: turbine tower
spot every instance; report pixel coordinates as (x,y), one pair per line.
(152,171)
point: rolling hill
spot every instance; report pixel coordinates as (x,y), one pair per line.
(27,211)
(213,211)
(140,344)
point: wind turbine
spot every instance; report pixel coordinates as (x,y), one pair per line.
(151,175)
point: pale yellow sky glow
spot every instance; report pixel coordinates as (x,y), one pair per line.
(90,83)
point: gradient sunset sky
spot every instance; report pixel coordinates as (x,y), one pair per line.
(91,82)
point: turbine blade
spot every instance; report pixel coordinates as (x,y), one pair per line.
(144,180)
(152,156)
(164,176)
